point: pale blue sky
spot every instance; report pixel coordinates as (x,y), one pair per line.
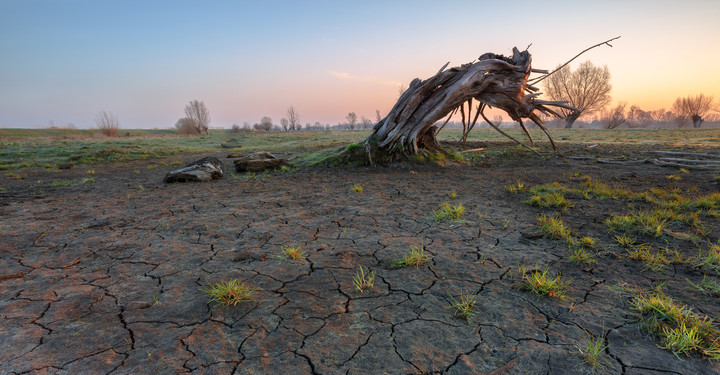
(63,61)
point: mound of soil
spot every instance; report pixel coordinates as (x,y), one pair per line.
(109,276)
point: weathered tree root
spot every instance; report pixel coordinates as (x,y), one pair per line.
(494,81)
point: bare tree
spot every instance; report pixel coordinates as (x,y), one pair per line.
(366,122)
(638,118)
(694,108)
(351,120)
(197,111)
(378,118)
(265,124)
(293,118)
(107,123)
(186,125)
(587,89)
(285,124)
(615,116)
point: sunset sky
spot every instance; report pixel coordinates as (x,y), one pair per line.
(64,61)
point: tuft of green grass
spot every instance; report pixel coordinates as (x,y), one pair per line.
(539,283)
(357,188)
(657,260)
(711,261)
(453,195)
(448,213)
(707,285)
(678,328)
(415,258)
(549,200)
(518,187)
(293,253)
(581,255)
(592,353)
(229,293)
(87,180)
(645,223)
(553,228)
(463,305)
(624,240)
(363,281)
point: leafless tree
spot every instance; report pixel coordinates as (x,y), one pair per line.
(378,118)
(107,123)
(293,118)
(265,124)
(694,107)
(638,118)
(615,116)
(197,111)
(351,120)
(285,124)
(587,89)
(366,122)
(186,125)
(235,128)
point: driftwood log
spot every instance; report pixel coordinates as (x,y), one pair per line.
(494,81)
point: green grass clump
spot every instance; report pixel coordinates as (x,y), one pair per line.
(229,293)
(678,328)
(592,353)
(553,228)
(448,213)
(539,283)
(293,253)
(549,200)
(644,223)
(363,281)
(707,285)
(711,261)
(581,255)
(357,188)
(518,187)
(655,260)
(463,305)
(416,257)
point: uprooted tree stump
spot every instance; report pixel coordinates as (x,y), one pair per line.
(494,81)
(258,162)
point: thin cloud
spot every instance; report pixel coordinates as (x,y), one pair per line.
(349,77)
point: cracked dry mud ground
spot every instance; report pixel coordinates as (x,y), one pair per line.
(107,277)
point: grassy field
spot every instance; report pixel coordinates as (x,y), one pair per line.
(48,148)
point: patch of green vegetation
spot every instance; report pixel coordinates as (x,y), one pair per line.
(624,240)
(707,285)
(655,260)
(581,255)
(358,188)
(363,281)
(229,293)
(518,187)
(710,261)
(539,283)
(554,228)
(463,305)
(678,328)
(645,223)
(549,200)
(416,257)
(592,353)
(448,213)
(292,252)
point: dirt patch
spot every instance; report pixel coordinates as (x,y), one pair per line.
(108,275)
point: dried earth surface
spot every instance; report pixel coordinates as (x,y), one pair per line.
(109,276)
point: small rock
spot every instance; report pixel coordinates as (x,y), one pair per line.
(205,169)
(65,166)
